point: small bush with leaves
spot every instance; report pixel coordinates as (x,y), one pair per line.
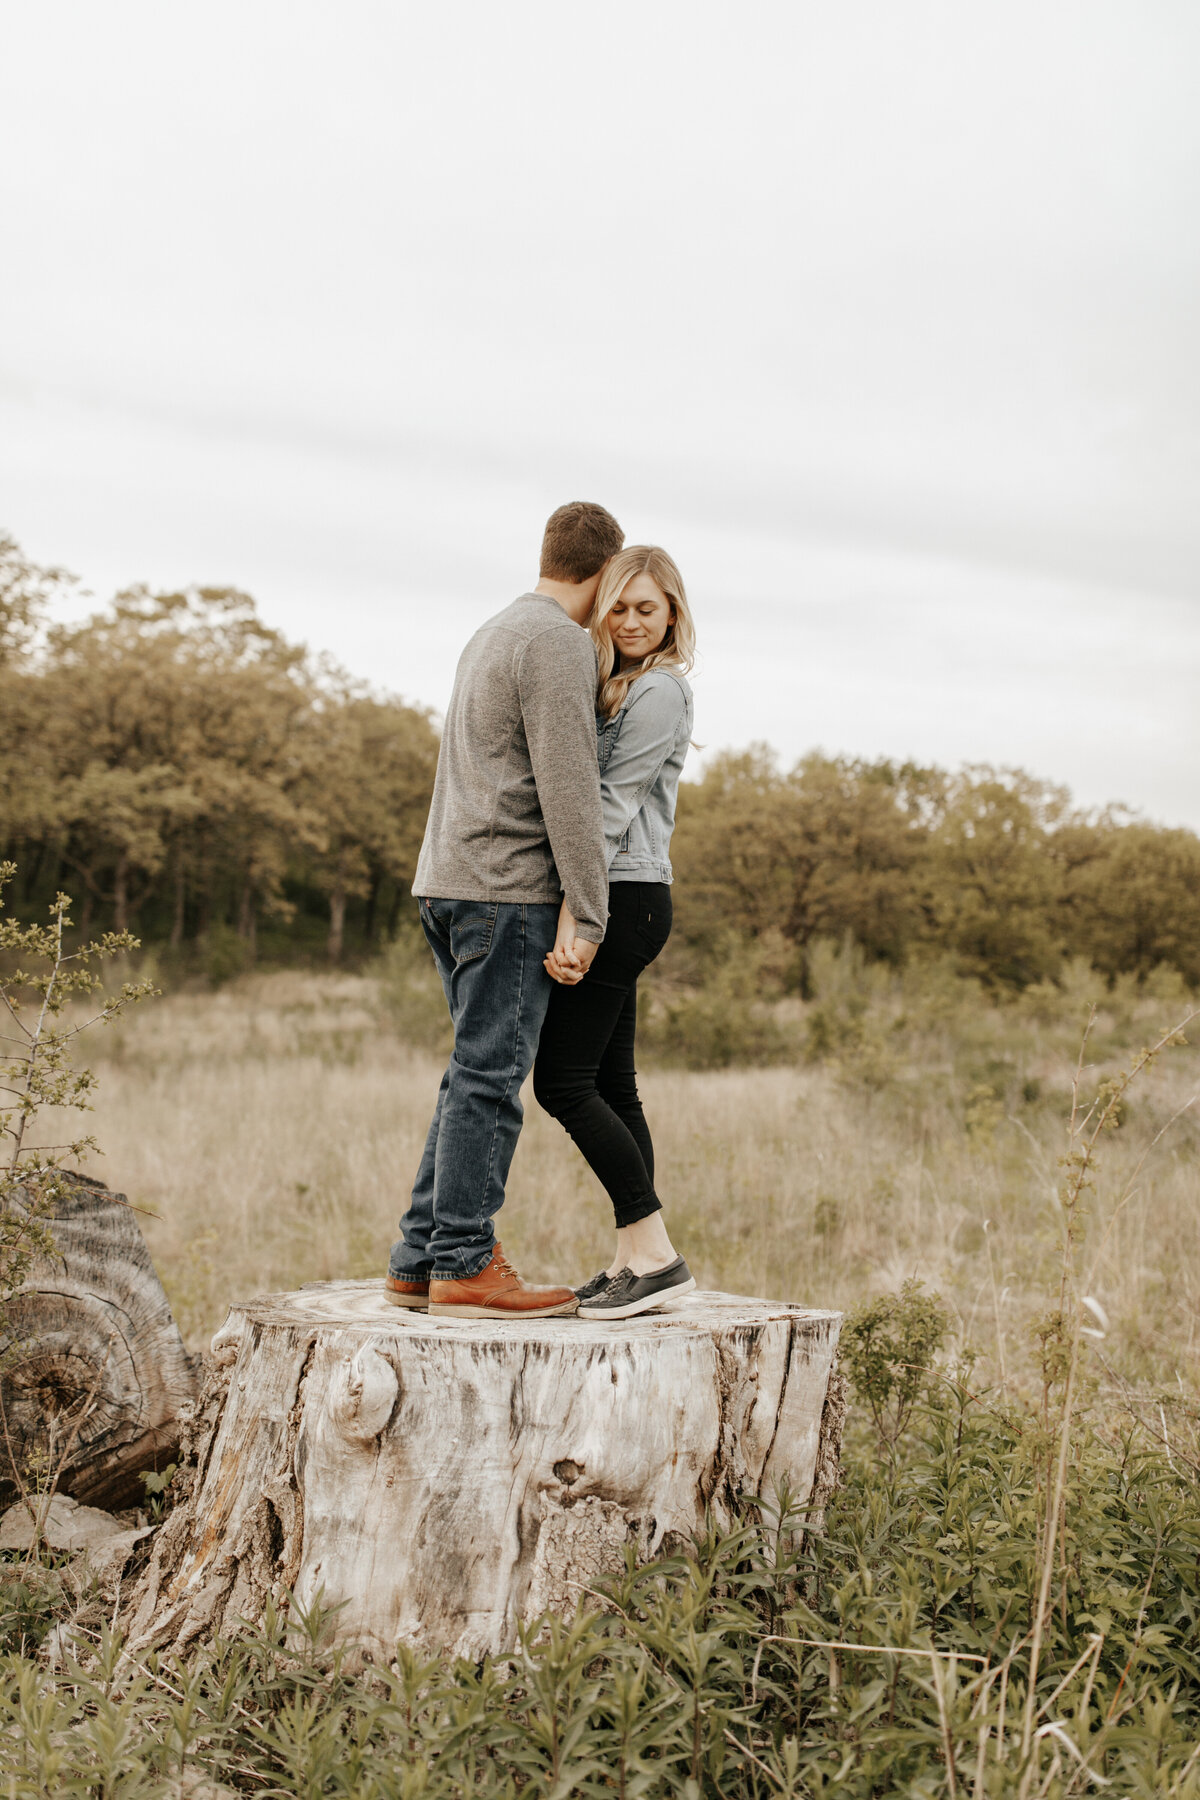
(888,1346)
(36,1071)
(39,978)
(157,1483)
(34,1597)
(721,1022)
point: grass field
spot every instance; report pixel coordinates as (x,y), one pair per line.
(271,1130)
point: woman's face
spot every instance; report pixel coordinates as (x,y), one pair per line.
(639,618)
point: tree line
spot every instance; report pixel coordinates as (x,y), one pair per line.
(184,771)
(995,867)
(180,768)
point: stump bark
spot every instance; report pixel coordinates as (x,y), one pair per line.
(438,1480)
(91,1344)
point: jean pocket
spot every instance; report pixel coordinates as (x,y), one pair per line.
(471,935)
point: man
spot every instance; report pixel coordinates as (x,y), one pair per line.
(515,828)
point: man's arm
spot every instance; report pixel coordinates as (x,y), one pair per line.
(648,733)
(556,680)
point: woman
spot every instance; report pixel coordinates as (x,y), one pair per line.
(584,1074)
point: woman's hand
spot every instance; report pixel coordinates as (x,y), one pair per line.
(567,963)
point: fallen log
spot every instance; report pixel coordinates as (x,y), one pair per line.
(435,1481)
(94,1372)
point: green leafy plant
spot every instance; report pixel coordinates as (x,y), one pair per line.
(888,1346)
(34,1597)
(37,1072)
(157,1482)
(39,978)
(888,1655)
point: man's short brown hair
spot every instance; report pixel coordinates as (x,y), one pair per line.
(580,538)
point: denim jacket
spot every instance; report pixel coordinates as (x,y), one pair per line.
(641,756)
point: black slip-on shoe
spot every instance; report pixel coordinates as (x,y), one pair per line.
(627,1293)
(595,1286)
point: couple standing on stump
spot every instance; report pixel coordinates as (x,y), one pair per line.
(544,888)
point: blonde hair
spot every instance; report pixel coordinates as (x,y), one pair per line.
(678,648)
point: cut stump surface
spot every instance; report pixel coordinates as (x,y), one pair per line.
(438,1480)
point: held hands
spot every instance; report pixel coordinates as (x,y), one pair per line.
(571,956)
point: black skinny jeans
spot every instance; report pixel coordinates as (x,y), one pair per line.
(584,1075)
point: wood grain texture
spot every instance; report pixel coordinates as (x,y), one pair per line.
(94,1315)
(440,1479)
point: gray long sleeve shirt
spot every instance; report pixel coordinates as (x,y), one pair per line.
(516,811)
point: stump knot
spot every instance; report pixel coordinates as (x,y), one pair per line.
(365,1390)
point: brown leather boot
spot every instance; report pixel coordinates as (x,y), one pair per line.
(497,1292)
(406,1293)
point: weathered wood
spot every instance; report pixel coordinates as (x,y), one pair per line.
(92,1320)
(437,1480)
(68,1526)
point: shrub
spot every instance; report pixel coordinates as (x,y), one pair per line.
(33,1597)
(723,1021)
(849,1023)
(888,1346)
(223,954)
(887,1656)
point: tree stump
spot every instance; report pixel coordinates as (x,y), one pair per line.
(438,1480)
(93,1364)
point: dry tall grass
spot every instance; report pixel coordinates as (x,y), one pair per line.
(271,1131)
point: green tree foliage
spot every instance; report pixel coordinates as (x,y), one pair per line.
(829,848)
(26,763)
(1136,900)
(992,884)
(369,777)
(179,766)
(174,761)
(25,592)
(990,865)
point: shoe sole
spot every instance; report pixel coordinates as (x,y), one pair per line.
(443,1310)
(647,1303)
(408,1300)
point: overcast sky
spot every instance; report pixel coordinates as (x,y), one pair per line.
(881,315)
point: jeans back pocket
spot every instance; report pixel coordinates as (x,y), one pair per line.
(472,929)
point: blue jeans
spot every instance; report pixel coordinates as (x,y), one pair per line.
(489,956)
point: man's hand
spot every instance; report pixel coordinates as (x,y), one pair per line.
(571,956)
